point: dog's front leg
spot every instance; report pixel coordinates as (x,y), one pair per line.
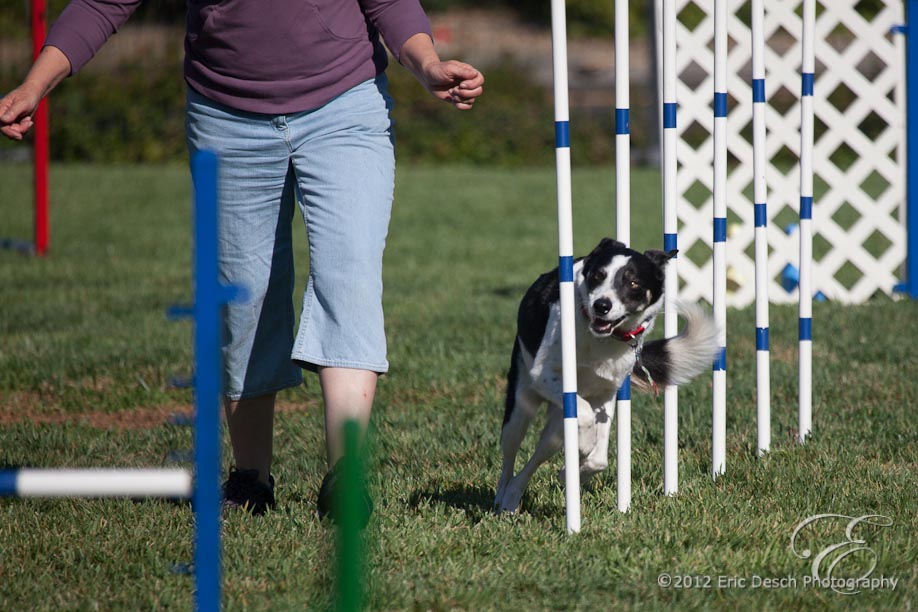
(590,435)
(550,443)
(525,403)
(597,457)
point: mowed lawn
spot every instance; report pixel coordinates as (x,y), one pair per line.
(86,356)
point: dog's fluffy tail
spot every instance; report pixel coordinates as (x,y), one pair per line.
(677,360)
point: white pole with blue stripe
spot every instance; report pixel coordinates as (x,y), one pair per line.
(670,242)
(760,199)
(623,228)
(806,221)
(622,124)
(566,265)
(719,416)
(96,482)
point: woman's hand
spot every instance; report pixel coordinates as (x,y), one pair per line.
(451,81)
(16,110)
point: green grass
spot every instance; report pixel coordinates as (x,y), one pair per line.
(83,334)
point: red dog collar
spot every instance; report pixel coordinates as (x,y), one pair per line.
(628,336)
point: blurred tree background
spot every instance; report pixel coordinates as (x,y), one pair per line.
(127,104)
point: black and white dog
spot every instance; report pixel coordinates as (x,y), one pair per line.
(619,293)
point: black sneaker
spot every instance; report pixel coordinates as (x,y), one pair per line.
(327,506)
(242,489)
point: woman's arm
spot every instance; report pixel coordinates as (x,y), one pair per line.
(80,30)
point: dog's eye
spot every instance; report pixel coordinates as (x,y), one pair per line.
(599,276)
(634,284)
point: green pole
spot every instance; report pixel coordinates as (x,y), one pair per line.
(348,500)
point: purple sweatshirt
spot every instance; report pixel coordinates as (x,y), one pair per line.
(262,56)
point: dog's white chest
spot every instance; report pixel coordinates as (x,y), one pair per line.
(603,377)
(602,365)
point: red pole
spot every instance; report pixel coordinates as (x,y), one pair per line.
(39,31)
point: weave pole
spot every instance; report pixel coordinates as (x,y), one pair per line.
(209,298)
(39,19)
(910,284)
(95,482)
(38,23)
(808,70)
(670,242)
(350,584)
(566,265)
(623,229)
(719,409)
(760,199)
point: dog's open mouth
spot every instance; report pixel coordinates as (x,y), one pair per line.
(602,327)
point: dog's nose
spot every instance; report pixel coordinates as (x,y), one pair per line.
(602,306)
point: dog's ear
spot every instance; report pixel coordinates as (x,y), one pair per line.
(659,258)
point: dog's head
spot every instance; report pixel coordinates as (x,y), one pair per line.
(621,288)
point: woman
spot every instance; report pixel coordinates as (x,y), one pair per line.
(292,96)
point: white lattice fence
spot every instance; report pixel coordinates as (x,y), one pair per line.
(858,212)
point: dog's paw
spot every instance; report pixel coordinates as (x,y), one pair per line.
(587,472)
(508,501)
(591,467)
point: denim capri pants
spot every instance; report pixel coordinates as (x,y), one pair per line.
(337,164)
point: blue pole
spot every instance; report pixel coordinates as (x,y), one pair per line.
(910,286)
(208,297)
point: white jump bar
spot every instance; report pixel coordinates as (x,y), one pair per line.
(93,482)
